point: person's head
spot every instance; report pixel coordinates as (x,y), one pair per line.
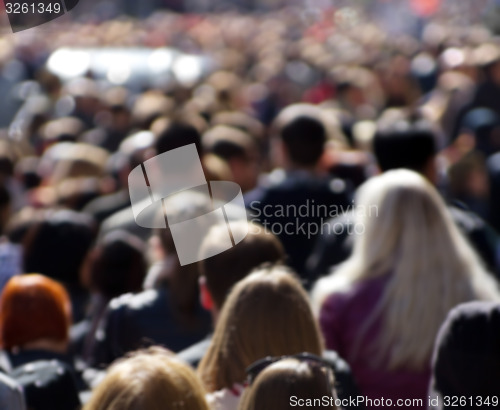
(5,207)
(35,311)
(303,135)
(219,273)
(238,149)
(289,382)
(116,265)
(149,380)
(176,134)
(407,232)
(483,125)
(57,245)
(266,314)
(493,165)
(466,357)
(406,144)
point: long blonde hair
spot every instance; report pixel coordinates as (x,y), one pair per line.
(408,231)
(266,314)
(149,380)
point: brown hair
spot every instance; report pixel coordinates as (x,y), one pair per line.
(149,380)
(33,307)
(275,387)
(266,314)
(222,271)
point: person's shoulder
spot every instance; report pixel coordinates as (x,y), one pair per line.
(342,296)
(464,218)
(194,353)
(225,399)
(137,301)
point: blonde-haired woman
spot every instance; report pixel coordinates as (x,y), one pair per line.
(266,314)
(149,380)
(381,310)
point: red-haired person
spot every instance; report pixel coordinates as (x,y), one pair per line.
(35,316)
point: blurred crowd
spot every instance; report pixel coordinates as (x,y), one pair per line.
(369,163)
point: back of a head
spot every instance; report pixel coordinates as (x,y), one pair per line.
(176,135)
(33,307)
(57,245)
(149,380)
(228,142)
(241,121)
(225,269)
(266,314)
(404,144)
(303,133)
(289,383)
(409,233)
(493,165)
(304,138)
(484,125)
(467,354)
(117,265)
(5,202)
(399,206)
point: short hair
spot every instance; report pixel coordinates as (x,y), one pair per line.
(223,270)
(117,265)
(404,145)
(241,121)
(228,142)
(273,388)
(149,380)
(178,134)
(5,197)
(57,245)
(33,307)
(266,314)
(304,138)
(466,357)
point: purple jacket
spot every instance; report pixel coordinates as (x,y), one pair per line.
(343,320)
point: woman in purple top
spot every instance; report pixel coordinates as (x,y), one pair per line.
(381,310)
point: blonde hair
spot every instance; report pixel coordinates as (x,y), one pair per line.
(409,232)
(266,314)
(149,380)
(278,383)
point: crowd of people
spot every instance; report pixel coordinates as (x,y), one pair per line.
(367,272)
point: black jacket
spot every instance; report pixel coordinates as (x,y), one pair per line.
(141,320)
(294,207)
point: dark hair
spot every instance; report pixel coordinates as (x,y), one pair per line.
(466,357)
(57,245)
(4,197)
(304,138)
(227,142)
(493,165)
(176,135)
(404,145)
(117,265)
(222,271)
